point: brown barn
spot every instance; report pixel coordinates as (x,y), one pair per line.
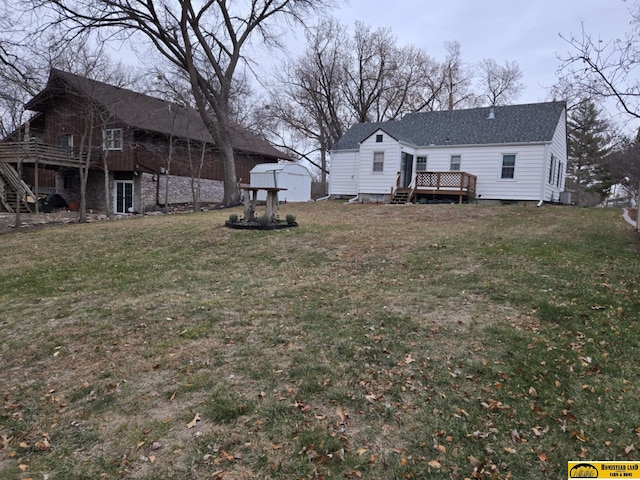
(152,151)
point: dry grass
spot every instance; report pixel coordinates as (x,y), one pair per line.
(373,341)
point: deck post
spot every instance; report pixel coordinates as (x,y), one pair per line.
(37,192)
(18,195)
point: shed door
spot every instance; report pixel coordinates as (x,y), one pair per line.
(123,196)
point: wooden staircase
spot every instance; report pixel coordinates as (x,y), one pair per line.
(401,196)
(10,185)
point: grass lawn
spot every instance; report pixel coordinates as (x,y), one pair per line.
(372,341)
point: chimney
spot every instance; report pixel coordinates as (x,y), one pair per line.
(492,113)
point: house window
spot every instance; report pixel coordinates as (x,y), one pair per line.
(508,166)
(379,138)
(113,139)
(421,164)
(455,163)
(559,176)
(551,168)
(378,161)
(65,140)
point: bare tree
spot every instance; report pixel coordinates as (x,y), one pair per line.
(605,69)
(206,40)
(16,75)
(624,164)
(456,80)
(499,84)
(419,83)
(369,75)
(309,97)
(343,78)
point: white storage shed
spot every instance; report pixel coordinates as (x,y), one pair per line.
(292,176)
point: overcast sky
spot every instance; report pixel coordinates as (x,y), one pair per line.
(527,31)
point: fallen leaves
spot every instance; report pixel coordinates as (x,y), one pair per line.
(491,404)
(538,431)
(195,421)
(43,445)
(515,436)
(476,463)
(372,397)
(341,413)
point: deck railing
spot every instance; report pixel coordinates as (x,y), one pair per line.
(456,182)
(34,152)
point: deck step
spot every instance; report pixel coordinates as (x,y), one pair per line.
(400,197)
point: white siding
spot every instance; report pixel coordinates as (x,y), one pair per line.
(558,148)
(378,182)
(343,179)
(485,162)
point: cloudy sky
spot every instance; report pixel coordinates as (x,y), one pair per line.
(527,31)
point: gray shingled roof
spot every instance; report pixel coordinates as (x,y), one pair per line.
(148,113)
(531,123)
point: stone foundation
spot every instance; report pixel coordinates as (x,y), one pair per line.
(149,191)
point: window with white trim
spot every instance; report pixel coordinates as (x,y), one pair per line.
(508,167)
(456,160)
(379,138)
(65,140)
(112,139)
(421,164)
(552,167)
(378,162)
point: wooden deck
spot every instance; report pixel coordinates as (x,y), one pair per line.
(32,152)
(441,184)
(13,186)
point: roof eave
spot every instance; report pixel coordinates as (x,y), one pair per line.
(498,144)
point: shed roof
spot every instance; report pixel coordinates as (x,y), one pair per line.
(279,167)
(530,123)
(145,112)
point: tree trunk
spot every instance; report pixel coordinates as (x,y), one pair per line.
(167,173)
(323,171)
(638,209)
(231,195)
(196,175)
(84,174)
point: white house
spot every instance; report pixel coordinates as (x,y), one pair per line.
(292,176)
(507,154)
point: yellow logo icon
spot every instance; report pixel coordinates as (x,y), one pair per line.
(604,470)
